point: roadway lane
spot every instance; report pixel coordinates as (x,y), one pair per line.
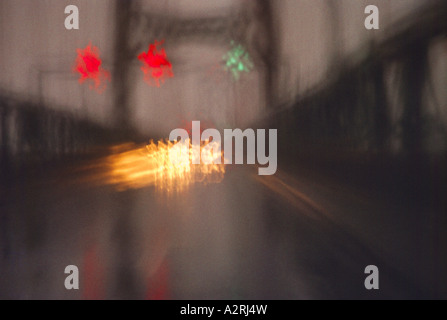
(247,237)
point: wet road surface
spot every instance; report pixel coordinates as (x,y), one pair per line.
(248,237)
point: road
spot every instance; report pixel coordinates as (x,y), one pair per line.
(247,237)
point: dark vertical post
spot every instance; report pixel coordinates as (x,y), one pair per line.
(4,147)
(269,50)
(414,72)
(336,40)
(381,118)
(122,61)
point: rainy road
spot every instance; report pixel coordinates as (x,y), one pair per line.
(248,237)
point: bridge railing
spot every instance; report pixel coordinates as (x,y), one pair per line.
(379,104)
(31,133)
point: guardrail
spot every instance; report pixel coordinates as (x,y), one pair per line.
(31,133)
(356,110)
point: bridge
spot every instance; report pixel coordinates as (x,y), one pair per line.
(359,183)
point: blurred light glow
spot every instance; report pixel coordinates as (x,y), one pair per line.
(237,60)
(163,165)
(88,65)
(156,66)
